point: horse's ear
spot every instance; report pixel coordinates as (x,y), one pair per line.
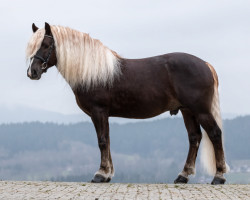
(47,29)
(34,28)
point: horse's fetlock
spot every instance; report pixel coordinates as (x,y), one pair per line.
(222,168)
(189,170)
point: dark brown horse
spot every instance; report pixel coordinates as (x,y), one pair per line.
(106,84)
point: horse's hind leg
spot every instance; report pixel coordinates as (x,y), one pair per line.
(209,124)
(112,173)
(194,136)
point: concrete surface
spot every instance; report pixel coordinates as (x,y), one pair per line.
(67,190)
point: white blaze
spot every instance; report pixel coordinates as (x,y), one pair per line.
(29,70)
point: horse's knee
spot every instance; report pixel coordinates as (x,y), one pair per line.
(103,143)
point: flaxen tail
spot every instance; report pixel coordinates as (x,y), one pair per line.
(207,152)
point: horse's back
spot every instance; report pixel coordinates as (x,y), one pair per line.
(173,80)
(173,68)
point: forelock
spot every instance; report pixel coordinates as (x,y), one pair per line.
(34,43)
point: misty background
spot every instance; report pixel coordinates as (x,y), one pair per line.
(147,152)
(216,31)
(45,136)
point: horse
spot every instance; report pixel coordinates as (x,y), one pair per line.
(108,85)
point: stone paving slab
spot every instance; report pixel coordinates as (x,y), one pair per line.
(117,191)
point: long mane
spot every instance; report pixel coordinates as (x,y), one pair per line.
(82,60)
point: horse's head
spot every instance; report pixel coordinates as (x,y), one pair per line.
(45,57)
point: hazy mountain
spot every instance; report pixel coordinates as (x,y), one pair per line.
(153,151)
(21,114)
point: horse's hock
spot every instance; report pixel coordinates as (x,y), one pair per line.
(61,190)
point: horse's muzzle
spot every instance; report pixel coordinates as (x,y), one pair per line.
(33,75)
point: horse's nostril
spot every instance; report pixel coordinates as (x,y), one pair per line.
(34,73)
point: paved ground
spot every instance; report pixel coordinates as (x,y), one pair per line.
(61,190)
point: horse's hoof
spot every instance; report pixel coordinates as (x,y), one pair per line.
(100,179)
(181,179)
(108,180)
(218,180)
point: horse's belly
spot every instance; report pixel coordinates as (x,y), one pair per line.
(141,107)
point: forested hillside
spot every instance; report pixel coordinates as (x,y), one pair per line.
(142,152)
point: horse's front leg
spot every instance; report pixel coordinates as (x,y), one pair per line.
(106,171)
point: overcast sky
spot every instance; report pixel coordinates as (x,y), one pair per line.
(218,31)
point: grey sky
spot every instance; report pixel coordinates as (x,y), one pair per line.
(216,31)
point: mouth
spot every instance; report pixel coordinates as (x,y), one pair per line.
(32,77)
(37,78)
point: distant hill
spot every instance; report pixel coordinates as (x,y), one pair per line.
(152,151)
(20,114)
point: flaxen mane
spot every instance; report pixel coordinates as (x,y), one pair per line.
(81,59)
